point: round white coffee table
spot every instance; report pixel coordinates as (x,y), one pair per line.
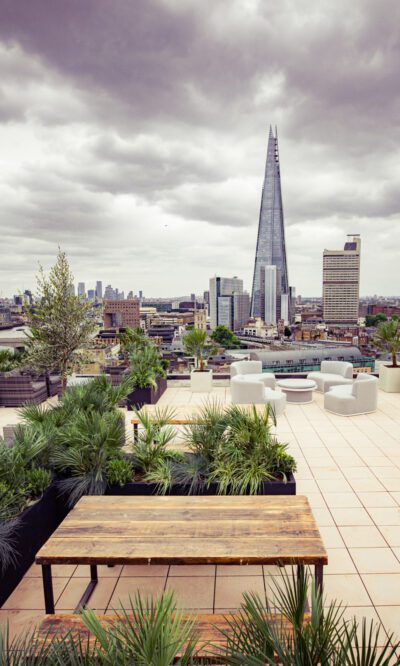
(298,390)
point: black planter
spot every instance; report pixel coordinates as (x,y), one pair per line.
(141,488)
(35,525)
(146,396)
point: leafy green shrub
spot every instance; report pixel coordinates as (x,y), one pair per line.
(145,366)
(37,480)
(119,471)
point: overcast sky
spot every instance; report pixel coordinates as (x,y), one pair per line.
(133,133)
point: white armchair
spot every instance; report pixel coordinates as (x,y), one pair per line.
(246,392)
(253,370)
(361,397)
(332,373)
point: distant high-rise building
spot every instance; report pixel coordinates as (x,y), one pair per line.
(341,283)
(99,289)
(109,293)
(81,289)
(193,297)
(91,294)
(269,286)
(229,305)
(206,297)
(121,313)
(271,248)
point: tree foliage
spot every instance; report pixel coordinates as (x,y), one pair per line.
(225,338)
(58,322)
(196,344)
(374,320)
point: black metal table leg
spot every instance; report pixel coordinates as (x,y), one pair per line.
(48,589)
(319,575)
(89,590)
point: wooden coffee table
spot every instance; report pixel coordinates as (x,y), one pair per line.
(183,530)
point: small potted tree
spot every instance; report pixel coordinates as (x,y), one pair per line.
(387,338)
(196,344)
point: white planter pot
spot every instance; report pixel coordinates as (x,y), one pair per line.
(201,382)
(389,379)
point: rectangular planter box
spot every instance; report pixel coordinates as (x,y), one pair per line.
(146,396)
(141,488)
(35,525)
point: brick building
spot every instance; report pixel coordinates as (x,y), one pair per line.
(117,314)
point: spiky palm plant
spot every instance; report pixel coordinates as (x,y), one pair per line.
(196,344)
(150,447)
(284,632)
(84,448)
(145,366)
(387,338)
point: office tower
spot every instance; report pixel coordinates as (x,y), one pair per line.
(206,297)
(117,313)
(229,305)
(109,293)
(270,249)
(91,294)
(99,290)
(269,285)
(341,283)
(81,289)
(220,286)
(193,298)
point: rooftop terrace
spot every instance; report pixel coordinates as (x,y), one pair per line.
(349,468)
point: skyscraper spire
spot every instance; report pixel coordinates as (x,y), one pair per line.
(271,249)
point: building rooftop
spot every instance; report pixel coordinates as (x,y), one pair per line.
(349,468)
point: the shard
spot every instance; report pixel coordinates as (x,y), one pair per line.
(271,249)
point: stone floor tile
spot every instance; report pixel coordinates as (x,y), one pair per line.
(127,588)
(19,621)
(192,570)
(331,536)
(28,595)
(191,593)
(133,570)
(355,516)
(57,570)
(375,560)
(385,516)
(365,536)
(238,570)
(384,589)
(393,485)
(381,499)
(229,591)
(366,485)
(339,562)
(347,588)
(99,599)
(323,516)
(341,500)
(390,618)
(334,485)
(353,473)
(391,534)
(103,571)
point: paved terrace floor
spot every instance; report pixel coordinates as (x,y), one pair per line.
(349,468)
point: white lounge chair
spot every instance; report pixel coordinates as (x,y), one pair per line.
(246,392)
(253,370)
(333,373)
(359,398)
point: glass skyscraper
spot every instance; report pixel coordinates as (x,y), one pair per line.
(271,249)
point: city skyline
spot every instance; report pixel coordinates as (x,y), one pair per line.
(144,162)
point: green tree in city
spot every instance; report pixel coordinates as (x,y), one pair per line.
(59,324)
(225,338)
(375,320)
(196,344)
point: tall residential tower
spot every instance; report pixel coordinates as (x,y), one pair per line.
(341,283)
(271,249)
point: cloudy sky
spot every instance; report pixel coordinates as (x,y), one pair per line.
(133,133)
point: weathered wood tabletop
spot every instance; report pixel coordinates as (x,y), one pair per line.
(186,530)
